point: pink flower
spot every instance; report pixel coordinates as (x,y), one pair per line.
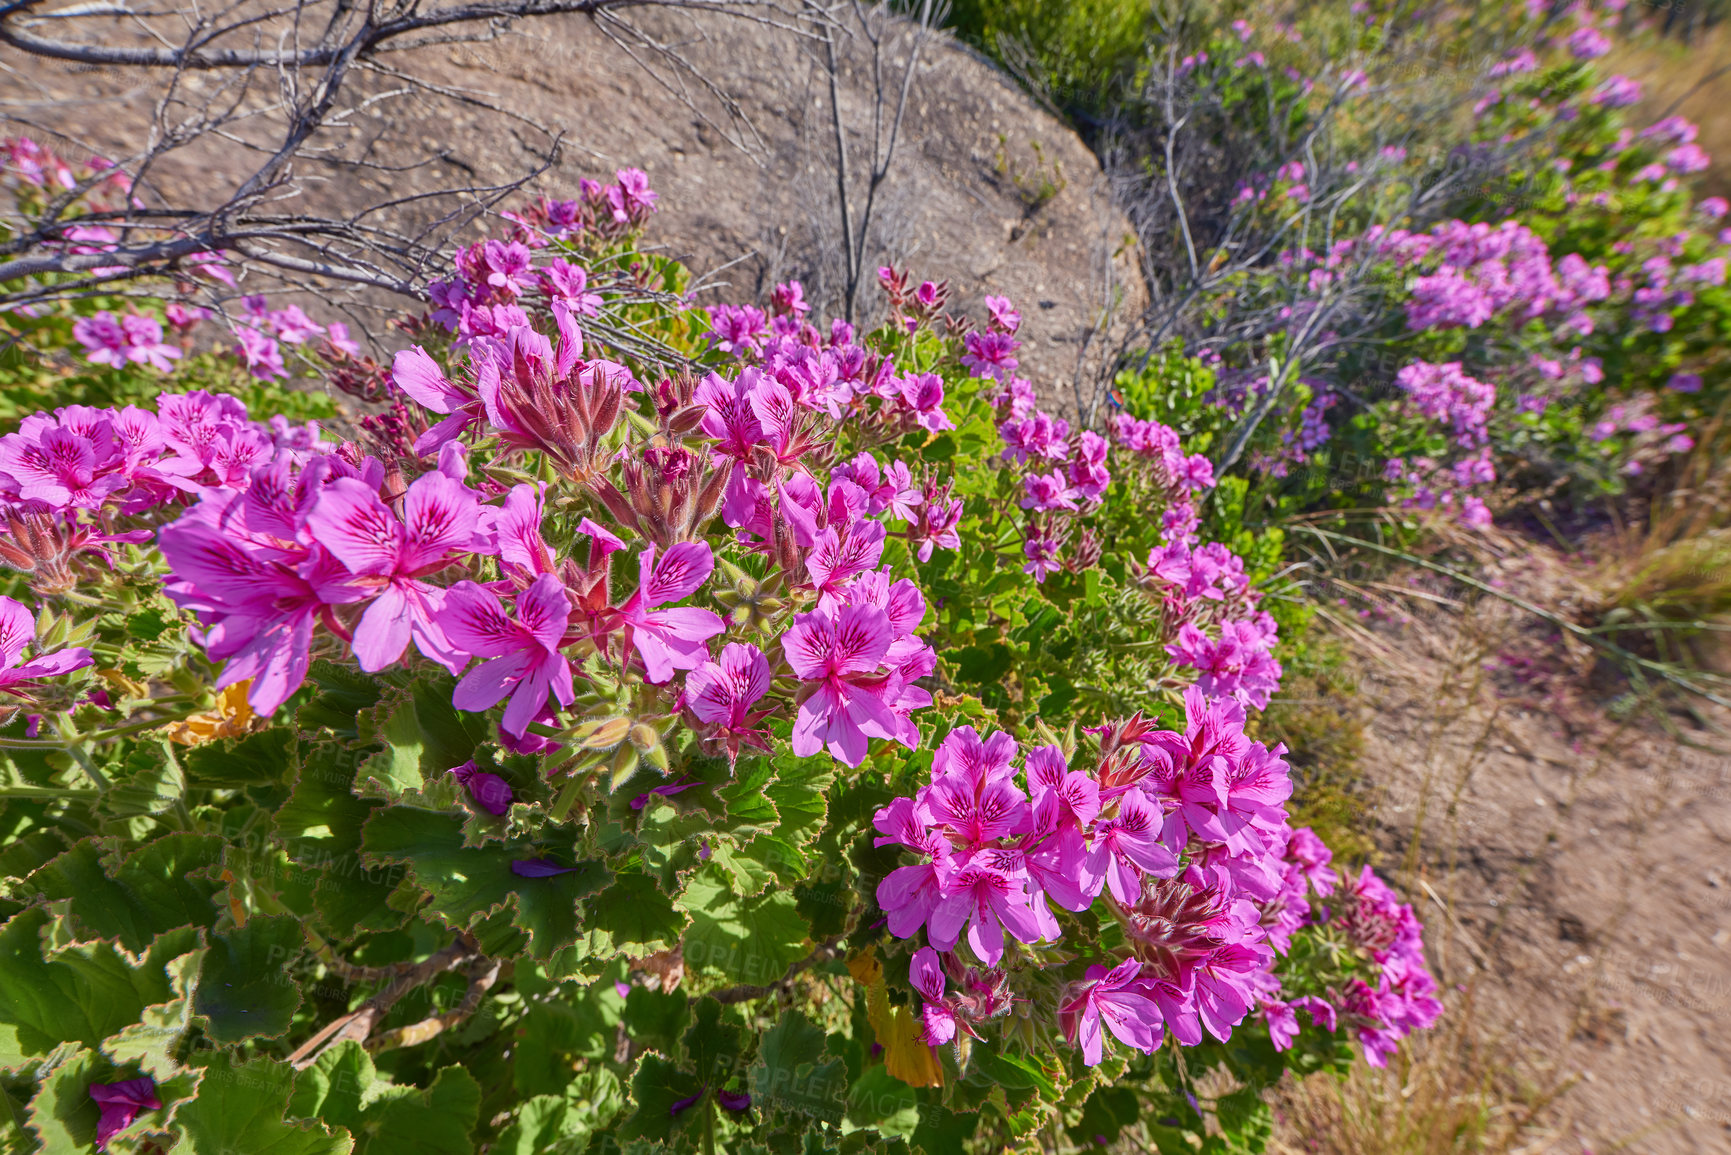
(737,329)
(1045,492)
(632,200)
(1004,315)
(522,655)
(567,283)
(989,354)
(722,693)
(1617,92)
(1127,846)
(121,1103)
(982,901)
(418,375)
(924,394)
(670,639)
(939,515)
(337,334)
(103,339)
(490,792)
(937,1018)
(1588,43)
(1688,158)
(842,706)
(145,344)
(1043,554)
(1115,998)
(257,601)
(1238,666)
(18,630)
(439,516)
(259,353)
(294,326)
(790,298)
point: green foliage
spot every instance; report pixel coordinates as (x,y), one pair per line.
(311,939)
(1070,49)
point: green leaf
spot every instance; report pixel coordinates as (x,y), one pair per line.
(343,1088)
(878,1099)
(150,1043)
(715,1049)
(790,1074)
(343,693)
(654,1019)
(1106,1113)
(153,889)
(562,1122)
(243,992)
(633,916)
(944,1132)
(152,782)
(255,760)
(81,994)
(467,885)
(657,1086)
(245,1109)
(63,1114)
(395,770)
(1246,1120)
(747,940)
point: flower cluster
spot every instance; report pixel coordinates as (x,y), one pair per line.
(1179,838)
(495,278)
(131,339)
(289,539)
(1062,475)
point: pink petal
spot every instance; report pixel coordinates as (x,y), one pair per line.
(351,522)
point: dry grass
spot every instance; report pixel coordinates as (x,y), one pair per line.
(1667,581)
(1460,1088)
(1687,79)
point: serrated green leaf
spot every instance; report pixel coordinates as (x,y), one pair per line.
(469,884)
(561,1124)
(714,1047)
(245,1109)
(879,1100)
(255,760)
(657,1086)
(153,889)
(1246,1120)
(150,1043)
(244,991)
(395,770)
(753,940)
(152,782)
(791,1074)
(62,1113)
(343,1089)
(633,916)
(82,994)
(655,1019)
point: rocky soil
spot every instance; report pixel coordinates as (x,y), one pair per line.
(986,190)
(1571,859)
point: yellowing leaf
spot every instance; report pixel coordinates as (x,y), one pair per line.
(231,718)
(906,1055)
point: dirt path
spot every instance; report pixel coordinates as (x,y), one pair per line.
(1573,871)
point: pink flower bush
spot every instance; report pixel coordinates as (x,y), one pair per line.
(132,339)
(1183,838)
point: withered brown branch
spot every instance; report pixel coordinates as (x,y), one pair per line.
(282,73)
(358,1024)
(482,973)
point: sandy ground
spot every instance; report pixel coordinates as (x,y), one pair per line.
(1573,870)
